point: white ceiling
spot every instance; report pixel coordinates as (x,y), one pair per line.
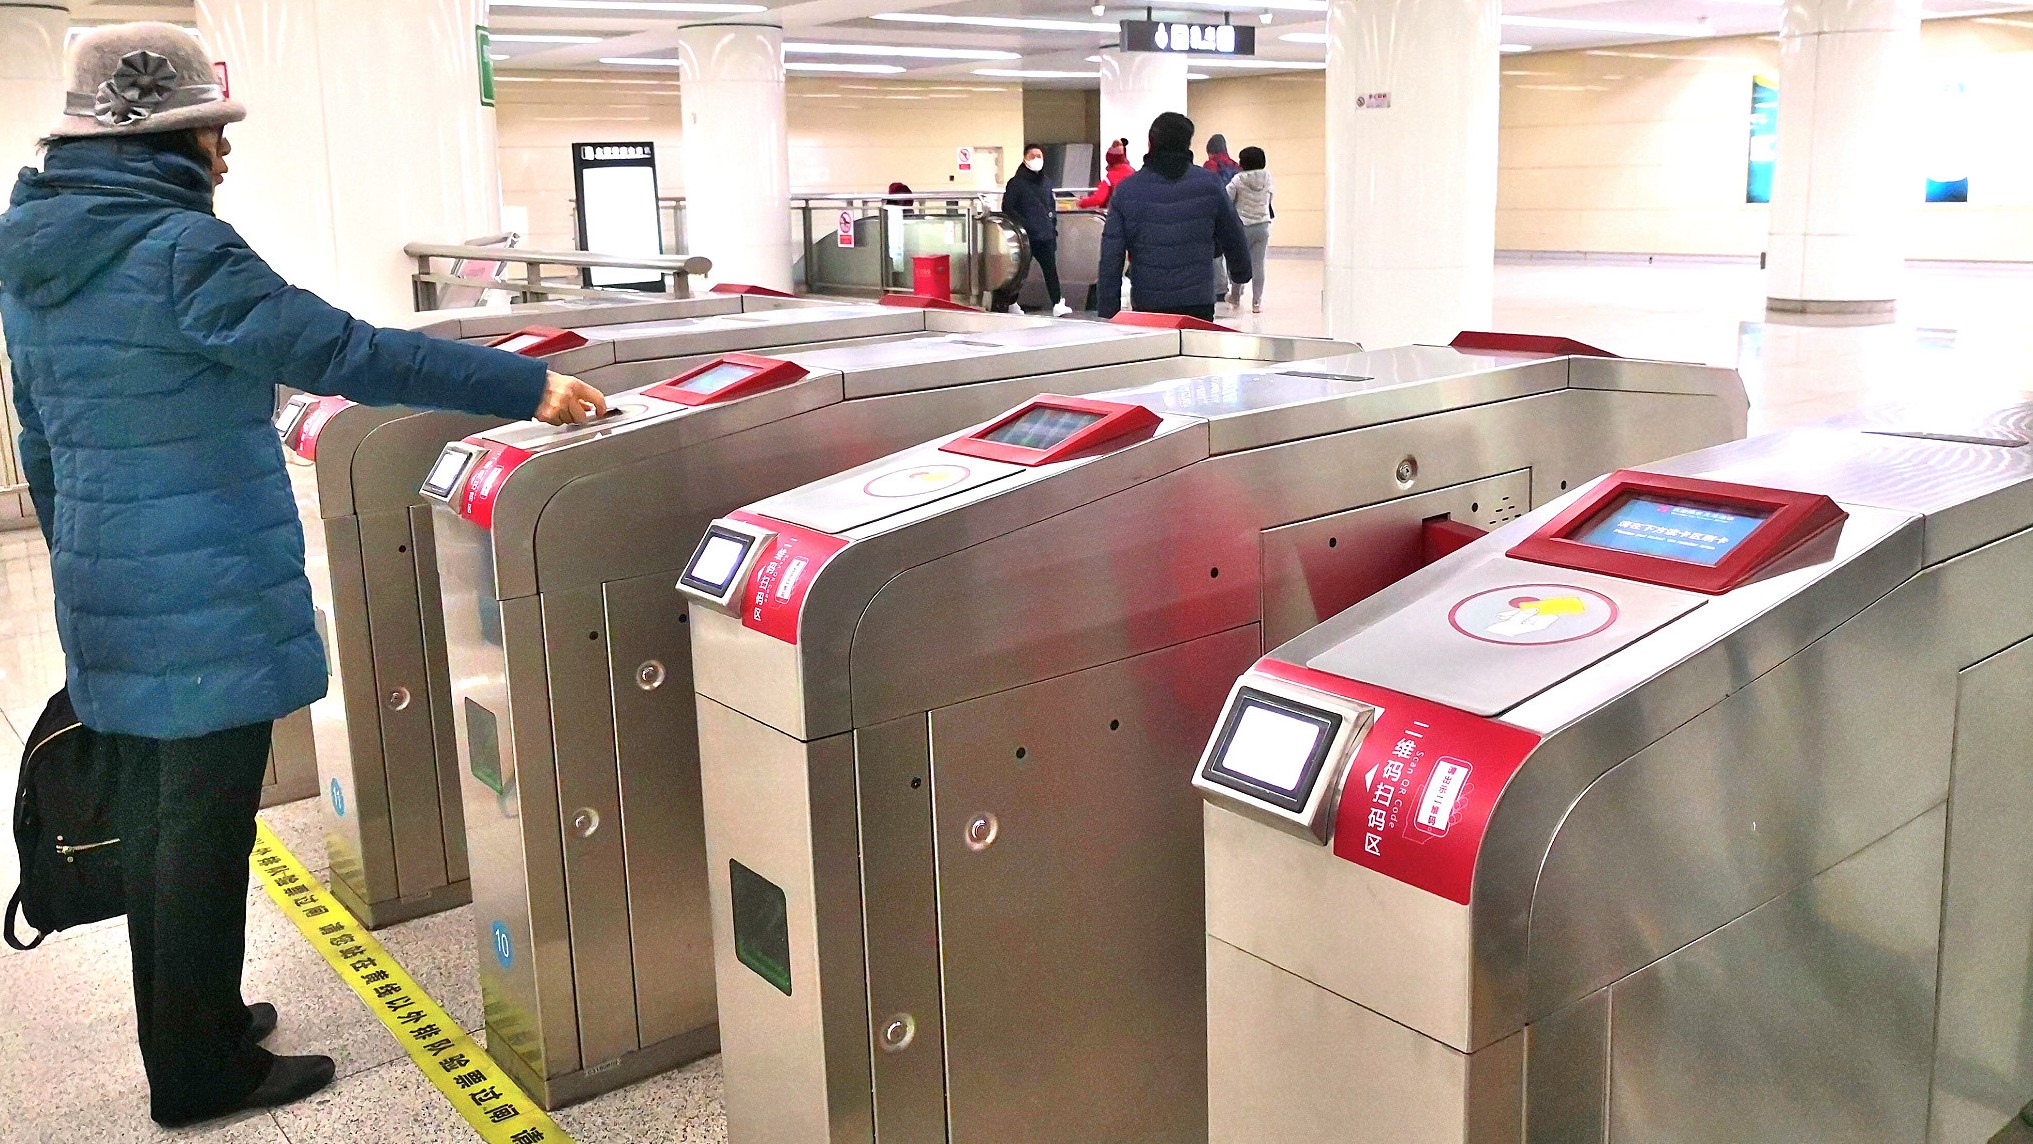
(1534,24)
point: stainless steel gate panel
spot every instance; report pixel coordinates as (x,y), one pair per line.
(358,838)
(589,804)
(1983,1059)
(1567,1074)
(1692,838)
(1394,949)
(495,322)
(894,781)
(1269,1084)
(292,761)
(1810,1018)
(402,685)
(444,734)
(797,1058)
(1120,587)
(656,736)
(513,832)
(1318,568)
(1047,895)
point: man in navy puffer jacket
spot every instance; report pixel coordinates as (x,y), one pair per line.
(1173,220)
(147,339)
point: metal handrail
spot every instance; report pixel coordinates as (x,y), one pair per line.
(676,271)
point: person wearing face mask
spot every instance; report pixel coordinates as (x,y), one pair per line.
(1030,202)
(147,340)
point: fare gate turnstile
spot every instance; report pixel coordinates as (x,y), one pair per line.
(395,836)
(492,323)
(571,660)
(947,731)
(1690,807)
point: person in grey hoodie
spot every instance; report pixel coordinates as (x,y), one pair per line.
(1251,192)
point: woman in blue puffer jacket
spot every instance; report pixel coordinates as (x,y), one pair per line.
(147,339)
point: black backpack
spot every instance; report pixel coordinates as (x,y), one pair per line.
(64,828)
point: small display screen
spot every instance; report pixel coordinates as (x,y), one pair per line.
(718,560)
(1671,529)
(1273,749)
(285,421)
(445,473)
(718,378)
(1042,428)
(520,342)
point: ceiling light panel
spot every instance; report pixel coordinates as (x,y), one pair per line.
(1238,62)
(844,69)
(536,38)
(1665,31)
(898,51)
(627,7)
(1014,22)
(1034,73)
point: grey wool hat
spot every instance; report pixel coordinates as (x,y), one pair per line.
(141,79)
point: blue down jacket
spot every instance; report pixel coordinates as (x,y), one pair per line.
(147,339)
(1173,220)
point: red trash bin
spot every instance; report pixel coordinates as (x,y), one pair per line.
(932,275)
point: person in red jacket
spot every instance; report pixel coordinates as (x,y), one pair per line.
(1118,170)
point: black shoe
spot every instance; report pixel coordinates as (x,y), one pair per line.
(260,1021)
(289,1079)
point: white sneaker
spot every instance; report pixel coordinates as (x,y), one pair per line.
(1060,309)
(1016,309)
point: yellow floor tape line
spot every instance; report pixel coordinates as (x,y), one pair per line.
(454,1062)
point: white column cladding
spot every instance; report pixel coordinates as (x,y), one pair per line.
(1845,176)
(31,79)
(1411,168)
(737,152)
(365,131)
(1137,87)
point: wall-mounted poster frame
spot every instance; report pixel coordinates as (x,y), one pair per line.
(618,212)
(1764,137)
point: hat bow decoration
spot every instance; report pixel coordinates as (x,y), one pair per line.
(144,84)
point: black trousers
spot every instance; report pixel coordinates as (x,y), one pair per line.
(186,816)
(1046,255)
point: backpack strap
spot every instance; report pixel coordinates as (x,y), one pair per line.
(7,932)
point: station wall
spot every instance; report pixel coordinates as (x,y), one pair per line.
(845,134)
(1284,114)
(1644,149)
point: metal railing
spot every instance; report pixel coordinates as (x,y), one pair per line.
(535,285)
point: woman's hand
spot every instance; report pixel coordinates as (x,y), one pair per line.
(569,401)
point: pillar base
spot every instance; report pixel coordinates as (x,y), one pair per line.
(1843,306)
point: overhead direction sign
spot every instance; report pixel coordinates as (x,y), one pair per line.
(1179,38)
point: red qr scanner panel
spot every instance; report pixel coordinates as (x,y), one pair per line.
(1680,532)
(1052,428)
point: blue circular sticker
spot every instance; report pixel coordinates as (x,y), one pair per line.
(338,799)
(504,947)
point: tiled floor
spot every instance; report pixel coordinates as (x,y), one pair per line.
(68,1070)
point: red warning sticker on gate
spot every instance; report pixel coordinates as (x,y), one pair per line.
(313,425)
(483,485)
(1419,794)
(775,596)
